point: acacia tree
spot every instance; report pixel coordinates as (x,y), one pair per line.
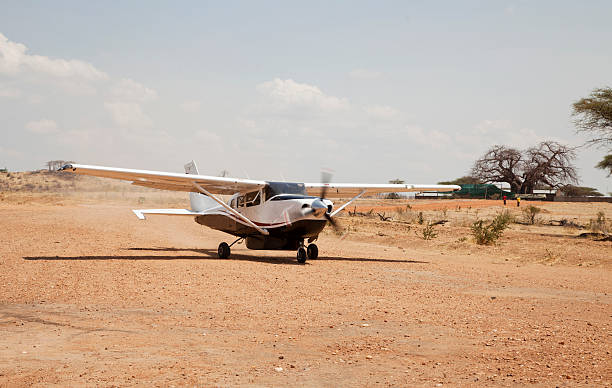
(593,115)
(549,163)
(464,180)
(606,164)
(580,191)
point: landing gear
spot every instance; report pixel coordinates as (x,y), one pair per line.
(301,255)
(223,251)
(312,251)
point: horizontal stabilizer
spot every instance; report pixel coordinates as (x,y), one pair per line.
(140,213)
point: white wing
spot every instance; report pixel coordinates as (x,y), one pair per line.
(140,213)
(169,180)
(343,190)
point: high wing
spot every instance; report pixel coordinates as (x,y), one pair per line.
(140,213)
(344,190)
(169,180)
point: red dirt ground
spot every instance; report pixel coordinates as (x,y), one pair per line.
(91,296)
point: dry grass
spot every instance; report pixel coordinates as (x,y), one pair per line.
(548,241)
(60,188)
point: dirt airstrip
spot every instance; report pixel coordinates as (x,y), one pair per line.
(91,296)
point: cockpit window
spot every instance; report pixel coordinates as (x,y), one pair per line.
(252,198)
(276,188)
(282,197)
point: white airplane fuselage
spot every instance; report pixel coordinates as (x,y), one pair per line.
(287,218)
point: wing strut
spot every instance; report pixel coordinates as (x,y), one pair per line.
(229,209)
(346,204)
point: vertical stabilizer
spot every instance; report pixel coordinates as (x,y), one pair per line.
(191,168)
(199,202)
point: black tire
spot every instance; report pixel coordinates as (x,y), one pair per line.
(301,255)
(223,251)
(312,251)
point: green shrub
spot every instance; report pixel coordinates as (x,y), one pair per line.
(429,232)
(486,233)
(530,214)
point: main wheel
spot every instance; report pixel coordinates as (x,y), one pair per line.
(301,255)
(223,251)
(312,251)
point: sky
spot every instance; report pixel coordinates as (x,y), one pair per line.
(415,90)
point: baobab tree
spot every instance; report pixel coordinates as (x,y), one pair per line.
(548,164)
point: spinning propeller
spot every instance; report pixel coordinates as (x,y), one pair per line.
(325,180)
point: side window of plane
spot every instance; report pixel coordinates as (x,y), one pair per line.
(252,198)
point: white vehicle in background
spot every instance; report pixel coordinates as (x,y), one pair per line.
(268,215)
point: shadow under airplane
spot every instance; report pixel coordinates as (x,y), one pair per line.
(211,254)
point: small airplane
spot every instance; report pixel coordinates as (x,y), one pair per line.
(268,215)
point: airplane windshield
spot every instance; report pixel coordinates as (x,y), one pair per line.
(276,188)
(282,197)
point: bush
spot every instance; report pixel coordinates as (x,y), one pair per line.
(420,218)
(600,224)
(530,214)
(487,233)
(429,232)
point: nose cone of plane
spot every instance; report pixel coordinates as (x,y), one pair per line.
(318,208)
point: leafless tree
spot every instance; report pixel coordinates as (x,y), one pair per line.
(549,163)
(500,164)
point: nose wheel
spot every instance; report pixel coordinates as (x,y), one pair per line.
(312,252)
(301,255)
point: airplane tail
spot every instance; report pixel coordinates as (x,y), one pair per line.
(199,202)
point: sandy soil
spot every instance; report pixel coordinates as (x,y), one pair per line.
(91,296)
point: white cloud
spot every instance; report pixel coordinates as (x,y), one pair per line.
(42,127)
(10,153)
(8,92)
(286,94)
(14,59)
(504,132)
(430,138)
(381,111)
(493,126)
(35,99)
(125,107)
(75,87)
(130,90)
(209,140)
(365,74)
(128,114)
(191,106)
(246,123)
